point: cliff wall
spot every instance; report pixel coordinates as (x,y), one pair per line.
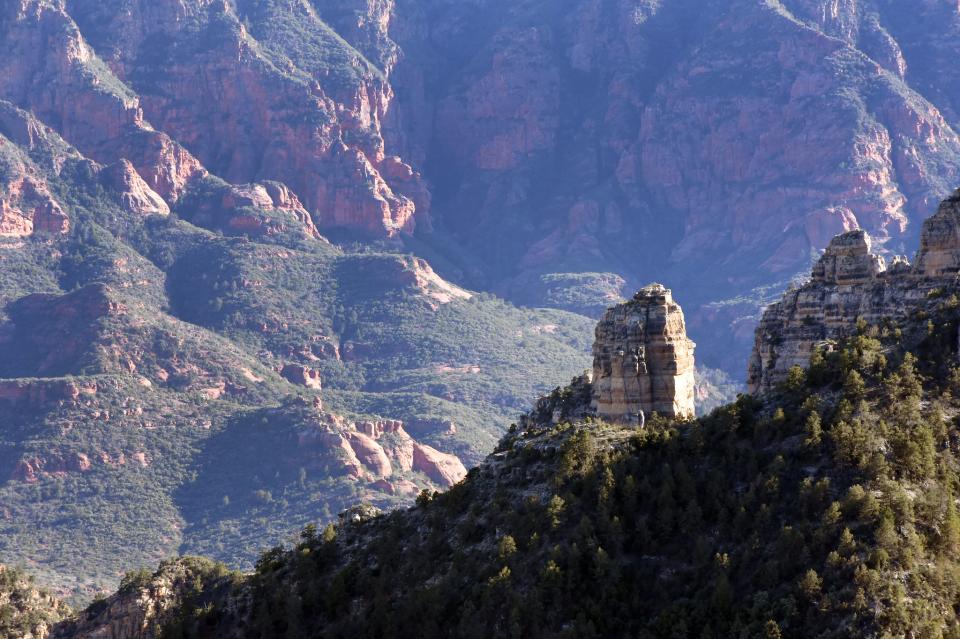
(848,284)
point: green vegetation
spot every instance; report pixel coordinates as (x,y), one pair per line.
(825,509)
(24,609)
(291,31)
(148,374)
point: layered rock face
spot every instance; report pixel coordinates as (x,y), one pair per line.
(850,283)
(28,612)
(643,360)
(739,135)
(379,452)
(140,609)
(285,100)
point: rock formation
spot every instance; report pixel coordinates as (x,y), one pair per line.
(443,468)
(39,392)
(643,360)
(136,196)
(26,206)
(302,376)
(850,283)
(315,122)
(26,611)
(141,607)
(380,452)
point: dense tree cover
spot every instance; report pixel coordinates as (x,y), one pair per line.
(826,509)
(24,609)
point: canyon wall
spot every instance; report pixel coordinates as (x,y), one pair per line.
(729,140)
(537,137)
(849,284)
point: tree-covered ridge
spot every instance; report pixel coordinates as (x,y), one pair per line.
(825,509)
(26,612)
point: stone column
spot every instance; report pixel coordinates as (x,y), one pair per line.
(643,360)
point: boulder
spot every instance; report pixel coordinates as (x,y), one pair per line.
(301,376)
(443,468)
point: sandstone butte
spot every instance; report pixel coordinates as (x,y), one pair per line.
(643,360)
(850,283)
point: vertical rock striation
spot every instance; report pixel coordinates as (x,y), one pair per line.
(849,283)
(643,359)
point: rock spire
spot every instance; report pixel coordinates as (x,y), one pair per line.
(643,359)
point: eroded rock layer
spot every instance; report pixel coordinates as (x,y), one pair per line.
(643,359)
(850,283)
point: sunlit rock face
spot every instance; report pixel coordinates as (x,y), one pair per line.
(848,284)
(643,360)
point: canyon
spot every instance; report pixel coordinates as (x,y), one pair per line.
(517,145)
(215,212)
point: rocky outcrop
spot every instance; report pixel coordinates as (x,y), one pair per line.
(26,204)
(135,194)
(370,454)
(34,467)
(27,611)
(849,283)
(144,604)
(302,376)
(643,360)
(258,209)
(380,452)
(51,334)
(443,468)
(939,255)
(848,260)
(29,470)
(38,392)
(419,275)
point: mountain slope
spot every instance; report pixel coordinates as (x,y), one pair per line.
(523,147)
(825,505)
(824,509)
(141,354)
